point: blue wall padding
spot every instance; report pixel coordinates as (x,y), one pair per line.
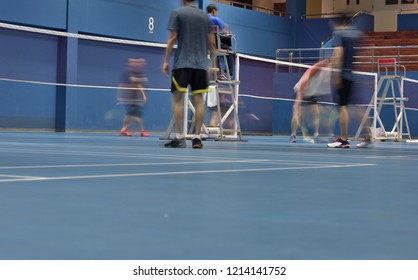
(46,58)
(256,33)
(42,13)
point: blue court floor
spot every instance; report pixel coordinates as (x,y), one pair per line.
(83,196)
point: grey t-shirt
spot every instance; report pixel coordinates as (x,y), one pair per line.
(193,26)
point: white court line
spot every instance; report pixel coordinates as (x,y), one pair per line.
(136,155)
(104,154)
(23,177)
(134,164)
(308,147)
(165,156)
(258,161)
(403,157)
(110,154)
(185,172)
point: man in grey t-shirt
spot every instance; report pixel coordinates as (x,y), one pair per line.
(190,28)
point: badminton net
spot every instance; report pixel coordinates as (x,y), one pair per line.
(270,95)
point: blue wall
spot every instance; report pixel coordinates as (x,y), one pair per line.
(43,13)
(27,56)
(122,19)
(37,57)
(408,22)
(73,61)
(311,32)
(256,33)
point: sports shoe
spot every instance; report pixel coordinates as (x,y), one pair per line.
(308,140)
(125,132)
(292,138)
(197,143)
(144,133)
(176,143)
(345,144)
(339,143)
(365,144)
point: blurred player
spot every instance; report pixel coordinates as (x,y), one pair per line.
(314,84)
(345,38)
(133,97)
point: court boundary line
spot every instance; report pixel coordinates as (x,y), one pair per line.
(183,172)
(21,176)
(260,161)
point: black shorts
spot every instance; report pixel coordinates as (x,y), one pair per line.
(197,79)
(344,92)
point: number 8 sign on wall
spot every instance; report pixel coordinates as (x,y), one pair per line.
(151,25)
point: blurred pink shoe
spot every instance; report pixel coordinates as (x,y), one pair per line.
(144,133)
(125,133)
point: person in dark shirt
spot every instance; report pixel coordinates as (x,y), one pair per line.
(133,96)
(346,38)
